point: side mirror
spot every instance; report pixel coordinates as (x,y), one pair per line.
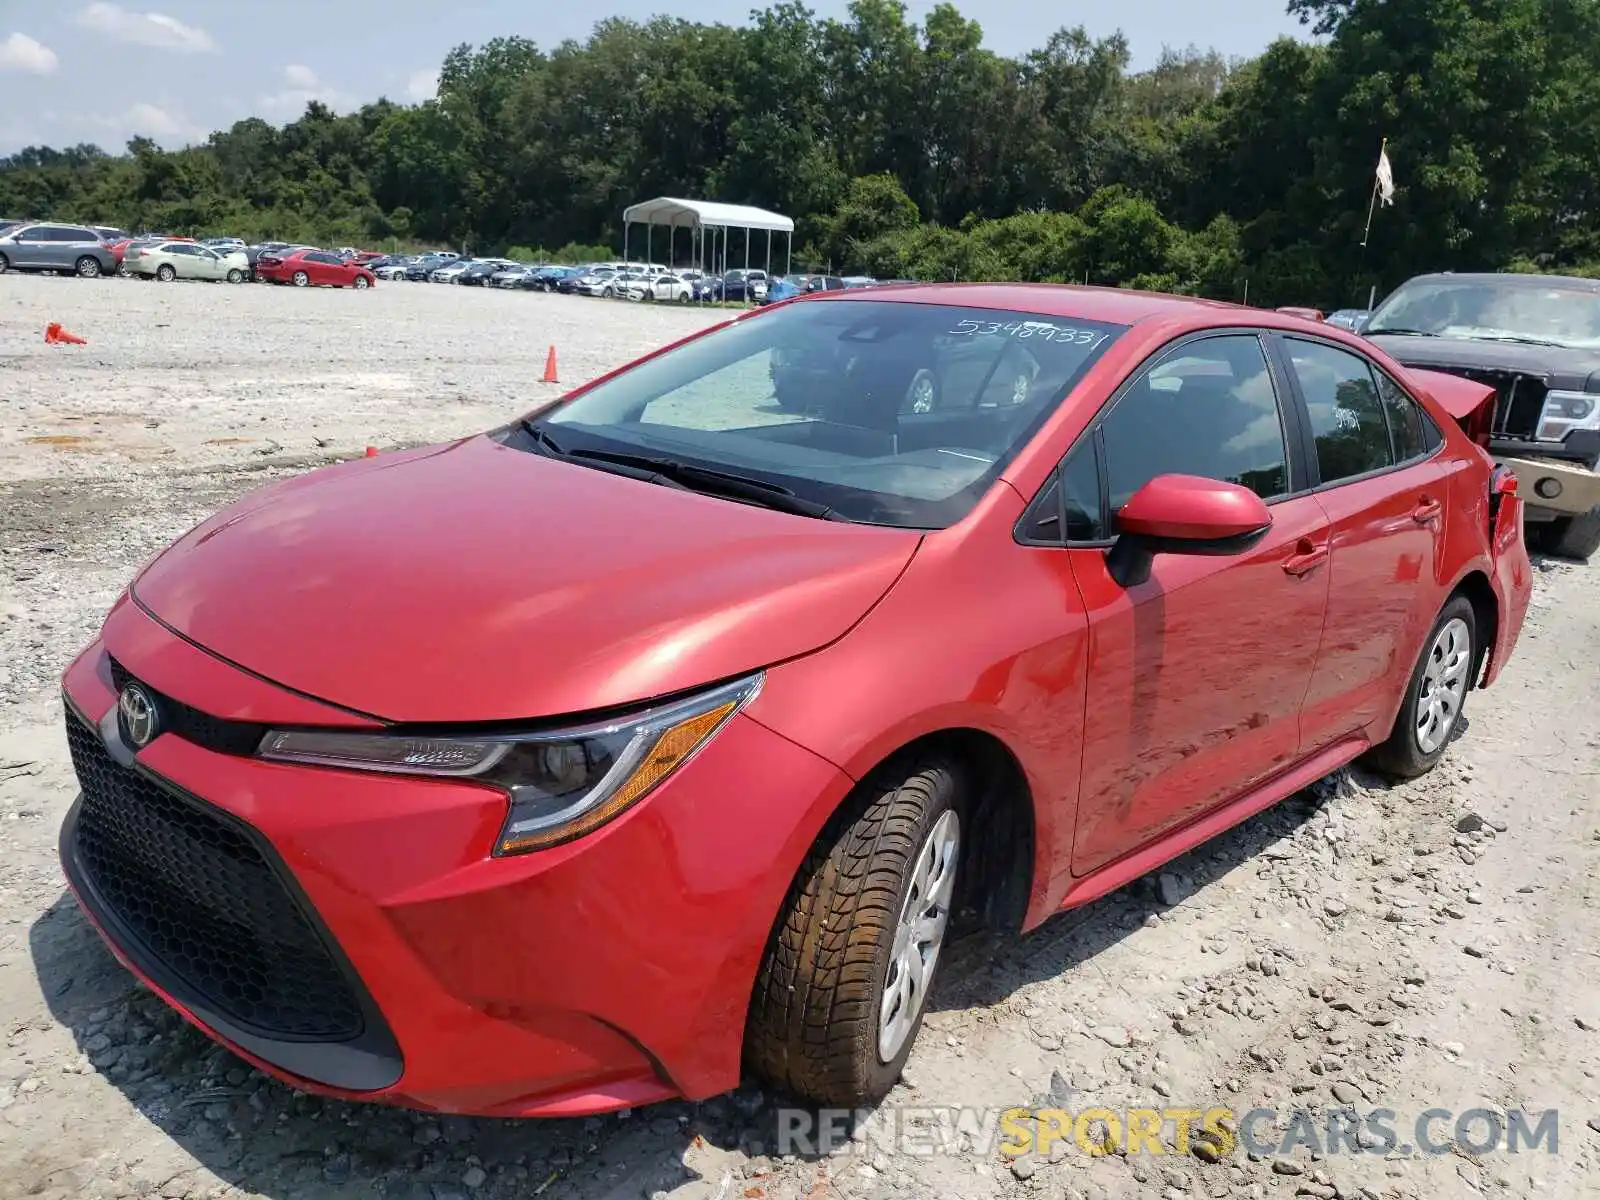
(1184,514)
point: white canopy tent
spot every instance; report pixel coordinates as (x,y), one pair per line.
(705,219)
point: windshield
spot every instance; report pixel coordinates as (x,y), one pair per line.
(1478,309)
(882,412)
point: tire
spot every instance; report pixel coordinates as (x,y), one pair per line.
(1408,754)
(818,1025)
(5,264)
(683,297)
(123,272)
(88,267)
(922,395)
(166,273)
(1571,537)
(300,279)
(361,283)
(235,276)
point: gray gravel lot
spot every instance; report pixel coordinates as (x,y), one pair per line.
(1430,945)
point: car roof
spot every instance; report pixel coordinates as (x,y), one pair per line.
(1510,279)
(1118,306)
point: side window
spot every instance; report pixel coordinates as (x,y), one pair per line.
(79,235)
(1209,409)
(1080,481)
(1406,421)
(1347,420)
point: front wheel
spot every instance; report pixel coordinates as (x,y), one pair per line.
(842,989)
(361,283)
(301,279)
(166,273)
(923,394)
(1431,710)
(5,264)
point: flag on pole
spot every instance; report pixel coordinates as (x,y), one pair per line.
(1385,177)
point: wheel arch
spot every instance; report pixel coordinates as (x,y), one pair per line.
(1475,586)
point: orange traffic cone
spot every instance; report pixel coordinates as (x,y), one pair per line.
(550,367)
(54,335)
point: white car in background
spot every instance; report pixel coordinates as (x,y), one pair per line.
(167,261)
(448,273)
(666,287)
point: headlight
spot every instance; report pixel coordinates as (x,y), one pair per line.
(1565,411)
(562,783)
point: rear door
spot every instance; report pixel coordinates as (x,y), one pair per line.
(1196,676)
(1374,464)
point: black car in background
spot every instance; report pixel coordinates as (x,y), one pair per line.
(1535,339)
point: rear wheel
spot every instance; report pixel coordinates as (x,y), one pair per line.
(88,267)
(166,273)
(1434,698)
(235,276)
(842,989)
(1571,537)
(301,279)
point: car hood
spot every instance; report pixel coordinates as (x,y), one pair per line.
(1559,366)
(476,582)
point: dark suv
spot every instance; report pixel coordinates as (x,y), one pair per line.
(47,246)
(1535,339)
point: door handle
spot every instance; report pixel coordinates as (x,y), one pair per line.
(1426,510)
(1307,557)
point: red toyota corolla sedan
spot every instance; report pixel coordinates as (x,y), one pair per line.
(662,733)
(313,268)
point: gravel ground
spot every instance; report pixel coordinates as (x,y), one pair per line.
(1432,945)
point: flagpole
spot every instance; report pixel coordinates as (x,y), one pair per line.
(1373,202)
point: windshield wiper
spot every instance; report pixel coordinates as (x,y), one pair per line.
(1517,337)
(717,483)
(1399,331)
(631,470)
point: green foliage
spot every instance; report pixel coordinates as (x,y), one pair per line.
(906,149)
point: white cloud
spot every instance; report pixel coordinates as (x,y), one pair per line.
(302,88)
(422,85)
(145,29)
(19,52)
(150,121)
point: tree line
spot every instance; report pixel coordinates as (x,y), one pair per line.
(908,150)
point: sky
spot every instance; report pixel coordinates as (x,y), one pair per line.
(100,72)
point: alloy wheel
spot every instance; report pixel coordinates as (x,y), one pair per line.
(919,934)
(1444,685)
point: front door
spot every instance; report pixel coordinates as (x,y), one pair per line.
(1196,676)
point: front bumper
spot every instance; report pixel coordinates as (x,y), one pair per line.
(608,972)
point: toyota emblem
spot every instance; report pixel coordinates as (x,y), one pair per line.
(137,717)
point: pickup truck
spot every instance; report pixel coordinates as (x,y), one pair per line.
(1534,339)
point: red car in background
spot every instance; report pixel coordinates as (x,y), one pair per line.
(663,732)
(313,268)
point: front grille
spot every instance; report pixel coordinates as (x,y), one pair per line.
(205,908)
(1518,398)
(192,725)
